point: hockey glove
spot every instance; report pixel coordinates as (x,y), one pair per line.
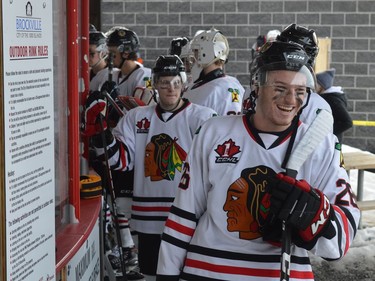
(302,207)
(111,88)
(145,95)
(95,105)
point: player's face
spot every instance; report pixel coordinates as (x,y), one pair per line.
(169,88)
(279,100)
(116,56)
(94,55)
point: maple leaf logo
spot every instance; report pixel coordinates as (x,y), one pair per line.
(143,125)
(226,152)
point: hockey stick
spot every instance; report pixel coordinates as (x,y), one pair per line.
(113,200)
(318,129)
(110,182)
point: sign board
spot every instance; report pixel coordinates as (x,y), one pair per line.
(323,59)
(85,265)
(28,118)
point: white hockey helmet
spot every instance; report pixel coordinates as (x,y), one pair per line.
(206,48)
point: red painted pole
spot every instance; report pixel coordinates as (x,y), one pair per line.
(73,105)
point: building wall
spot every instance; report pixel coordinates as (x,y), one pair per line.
(350,25)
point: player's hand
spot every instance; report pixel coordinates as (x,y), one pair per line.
(95,105)
(111,88)
(302,207)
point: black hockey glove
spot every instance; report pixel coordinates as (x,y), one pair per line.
(95,105)
(111,88)
(304,208)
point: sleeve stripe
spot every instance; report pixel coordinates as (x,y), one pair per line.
(174,241)
(183,214)
(179,227)
(345,227)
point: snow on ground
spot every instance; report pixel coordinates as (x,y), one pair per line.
(359,262)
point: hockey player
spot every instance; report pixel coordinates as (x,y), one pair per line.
(97,59)
(212,87)
(154,141)
(308,40)
(123,44)
(225,222)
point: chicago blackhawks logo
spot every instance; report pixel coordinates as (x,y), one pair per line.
(247,202)
(226,152)
(143,126)
(163,156)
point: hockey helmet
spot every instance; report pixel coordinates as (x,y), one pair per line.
(97,38)
(206,48)
(301,35)
(168,65)
(278,55)
(124,39)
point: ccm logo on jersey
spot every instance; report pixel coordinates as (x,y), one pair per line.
(322,217)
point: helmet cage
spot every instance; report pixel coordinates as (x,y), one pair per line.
(209,47)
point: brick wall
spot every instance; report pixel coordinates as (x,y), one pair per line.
(350,25)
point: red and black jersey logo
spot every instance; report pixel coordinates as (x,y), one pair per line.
(226,152)
(143,126)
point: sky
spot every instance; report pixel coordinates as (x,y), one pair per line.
(359,262)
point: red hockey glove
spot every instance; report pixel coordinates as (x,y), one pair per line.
(95,104)
(130,102)
(301,206)
(145,95)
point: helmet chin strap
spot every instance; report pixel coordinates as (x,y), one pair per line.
(99,61)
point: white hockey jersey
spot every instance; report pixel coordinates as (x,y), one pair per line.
(155,145)
(222,94)
(212,232)
(140,77)
(315,102)
(98,80)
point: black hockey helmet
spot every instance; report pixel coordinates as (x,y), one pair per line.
(124,39)
(301,35)
(168,65)
(97,38)
(278,55)
(177,44)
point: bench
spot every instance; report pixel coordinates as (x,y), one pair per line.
(366,205)
(357,159)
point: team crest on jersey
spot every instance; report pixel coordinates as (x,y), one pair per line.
(248,202)
(148,83)
(226,152)
(143,126)
(338,147)
(235,94)
(163,157)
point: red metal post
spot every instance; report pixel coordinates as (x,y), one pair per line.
(73,104)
